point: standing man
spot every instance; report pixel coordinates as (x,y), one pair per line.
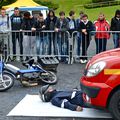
(79,36)
(102,35)
(86,26)
(16,25)
(115,26)
(4,29)
(28,25)
(62,25)
(41,39)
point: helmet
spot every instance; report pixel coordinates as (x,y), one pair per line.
(44,95)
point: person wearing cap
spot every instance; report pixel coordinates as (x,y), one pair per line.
(72,100)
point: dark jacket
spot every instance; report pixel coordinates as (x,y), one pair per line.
(115,24)
(28,24)
(64,26)
(50,24)
(71,30)
(67,99)
(89,27)
(39,28)
(16,22)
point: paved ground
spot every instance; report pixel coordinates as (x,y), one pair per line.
(68,78)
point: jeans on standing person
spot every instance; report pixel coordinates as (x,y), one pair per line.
(52,41)
(62,42)
(100,45)
(85,42)
(18,36)
(116,40)
(41,45)
(3,42)
(29,45)
(78,43)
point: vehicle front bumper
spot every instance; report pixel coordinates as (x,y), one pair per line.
(96,94)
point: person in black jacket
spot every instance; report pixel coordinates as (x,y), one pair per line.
(115,26)
(85,28)
(72,100)
(50,25)
(41,37)
(29,35)
(62,25)
(16,23)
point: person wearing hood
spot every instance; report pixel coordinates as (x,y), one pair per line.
(102,35)
(50,25)
(72,100)
(115,26)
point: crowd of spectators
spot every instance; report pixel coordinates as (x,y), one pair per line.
(28,30)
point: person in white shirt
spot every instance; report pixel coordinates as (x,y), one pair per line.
(5,27)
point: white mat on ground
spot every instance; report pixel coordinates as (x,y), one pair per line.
(31,105)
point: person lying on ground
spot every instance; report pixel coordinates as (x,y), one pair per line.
(72,100)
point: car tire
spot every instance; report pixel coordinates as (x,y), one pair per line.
(114,105)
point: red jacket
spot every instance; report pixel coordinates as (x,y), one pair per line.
(102,26)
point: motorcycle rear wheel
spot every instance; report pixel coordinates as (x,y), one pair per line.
(49,78)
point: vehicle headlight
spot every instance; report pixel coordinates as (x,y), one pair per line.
(95,69)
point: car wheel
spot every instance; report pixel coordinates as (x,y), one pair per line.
(114,105)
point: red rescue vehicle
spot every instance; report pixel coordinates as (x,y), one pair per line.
(101,81)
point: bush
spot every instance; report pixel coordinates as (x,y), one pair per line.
(47,3)
(105,4)
(96,1)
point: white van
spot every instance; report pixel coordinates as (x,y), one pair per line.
(33,10)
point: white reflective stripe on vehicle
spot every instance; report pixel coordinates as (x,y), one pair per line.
(73,95)
(63,102)
(14,67)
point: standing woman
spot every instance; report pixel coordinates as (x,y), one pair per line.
(50,25)
(102,27)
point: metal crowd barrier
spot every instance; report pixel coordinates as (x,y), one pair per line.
(24,44)
(79,43)
(63,45)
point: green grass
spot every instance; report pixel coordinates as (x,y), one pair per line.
(67,5)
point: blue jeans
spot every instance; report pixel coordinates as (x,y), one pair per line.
(116,38)
(62,43)
(78,44)
(41,45)
(100,45)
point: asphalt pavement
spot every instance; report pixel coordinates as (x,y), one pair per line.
(68,78)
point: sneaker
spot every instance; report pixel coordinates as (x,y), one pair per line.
(83,61)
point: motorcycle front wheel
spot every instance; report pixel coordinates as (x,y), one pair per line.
(7,82)
(49,77)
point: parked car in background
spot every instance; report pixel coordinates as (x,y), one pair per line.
(101,82)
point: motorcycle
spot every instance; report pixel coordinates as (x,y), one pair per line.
(28,73)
